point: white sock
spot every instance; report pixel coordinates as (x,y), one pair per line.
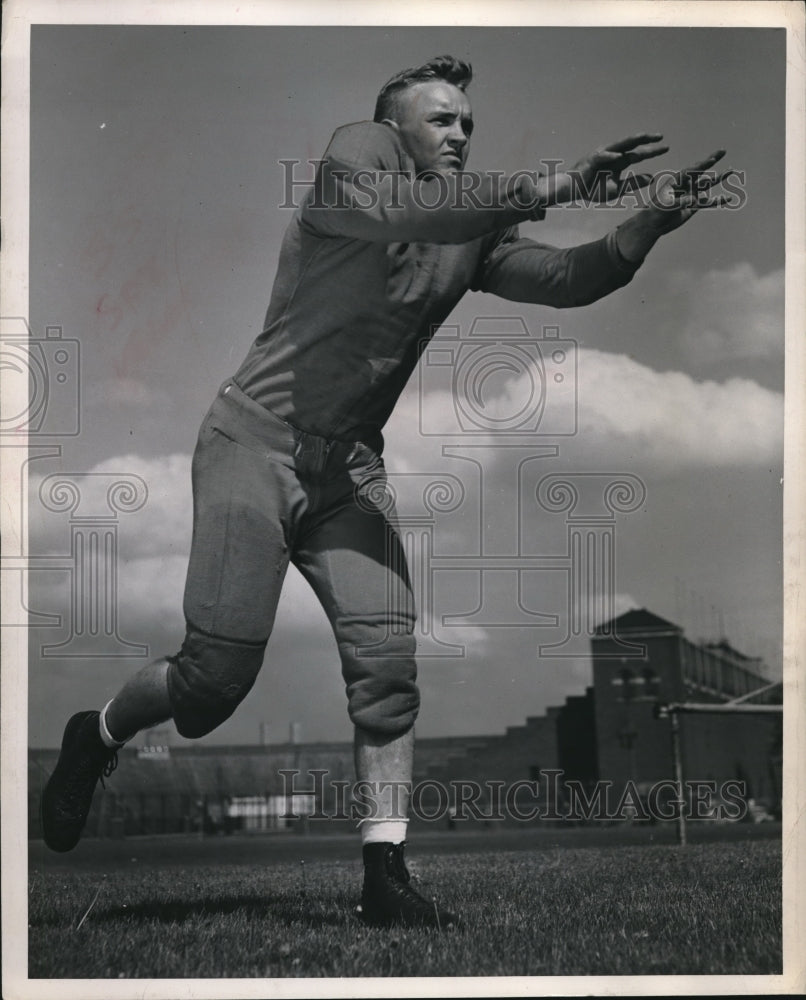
(107,738)
(383,831)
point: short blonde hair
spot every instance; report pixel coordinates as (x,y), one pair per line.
(447,68)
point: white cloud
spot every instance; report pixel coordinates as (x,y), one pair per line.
(162,527)
(626,411)
(151,507)
(151,588)
(729,314)
(151,500)
(671,420)
(623,603)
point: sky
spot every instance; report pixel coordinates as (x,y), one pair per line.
(154,233)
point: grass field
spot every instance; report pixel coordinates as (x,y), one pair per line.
(175,908)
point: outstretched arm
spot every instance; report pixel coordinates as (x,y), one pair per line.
(676,200)
(525,271)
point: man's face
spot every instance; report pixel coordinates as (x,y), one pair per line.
(434,121)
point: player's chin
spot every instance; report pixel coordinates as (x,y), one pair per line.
(444,164)
(448,164)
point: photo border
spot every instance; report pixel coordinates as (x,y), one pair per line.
(18,16)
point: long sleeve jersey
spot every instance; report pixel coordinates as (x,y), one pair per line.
(374,260)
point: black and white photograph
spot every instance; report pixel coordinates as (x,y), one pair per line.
(403,529)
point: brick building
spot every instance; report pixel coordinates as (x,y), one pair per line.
(631,743)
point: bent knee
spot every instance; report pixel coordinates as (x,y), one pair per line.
(208,679)
(390,712)
(380,672)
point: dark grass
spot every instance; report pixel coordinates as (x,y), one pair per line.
(708,908)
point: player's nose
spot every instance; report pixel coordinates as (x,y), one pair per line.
(457,137)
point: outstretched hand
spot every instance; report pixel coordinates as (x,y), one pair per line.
(598,175)
(672,201)
(678,197)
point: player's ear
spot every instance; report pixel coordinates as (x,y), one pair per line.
(388,121)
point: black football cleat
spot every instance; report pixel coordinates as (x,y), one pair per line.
(66,800)
(389,900)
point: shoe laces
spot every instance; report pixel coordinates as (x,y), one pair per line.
(89,769)
(397,864)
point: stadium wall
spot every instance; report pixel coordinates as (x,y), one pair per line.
(609,733)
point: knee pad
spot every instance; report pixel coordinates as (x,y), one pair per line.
(208,679)
(380,672)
